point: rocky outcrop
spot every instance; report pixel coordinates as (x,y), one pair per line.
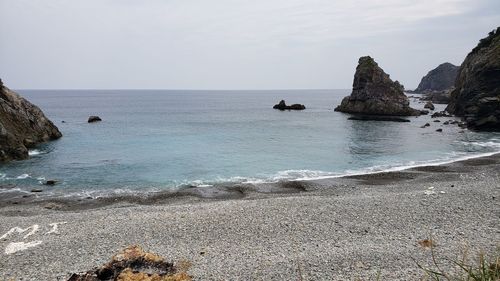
(439,79)
(476,97)
(22,126)
(282,106)
(439,97)
(374,93)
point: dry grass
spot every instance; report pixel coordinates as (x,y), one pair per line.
(481,268)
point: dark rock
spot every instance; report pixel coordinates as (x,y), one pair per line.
(439,97)
(439,130)
(424,112)
(36,190)
(446,123)
(378,118)
(437,120)
(282,106)
(439,79)
(429,105)
(374,93)
(94,119)
(476,97)
(51,182)
(440,114)
(22,126)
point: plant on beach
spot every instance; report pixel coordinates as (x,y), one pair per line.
(485,268)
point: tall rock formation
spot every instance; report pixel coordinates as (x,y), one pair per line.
(22,126)
(374,93)
(439,79)
(477,89)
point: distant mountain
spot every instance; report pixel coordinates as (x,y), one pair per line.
(439,79)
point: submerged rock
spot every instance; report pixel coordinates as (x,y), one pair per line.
(476,97)
(22,126)
(374,93)
(378,118)
(282,106)
(93,119)
(134,264)
(439,79)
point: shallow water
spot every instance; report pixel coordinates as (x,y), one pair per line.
(153,140)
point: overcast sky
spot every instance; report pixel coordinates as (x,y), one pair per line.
(231,44)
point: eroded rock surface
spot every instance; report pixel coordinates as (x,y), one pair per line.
(476,97)
(22,126)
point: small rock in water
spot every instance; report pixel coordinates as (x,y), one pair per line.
(282,106)
(437,120)
(50,182)
(429,105)
(93,119)
(36,190)
(439,130)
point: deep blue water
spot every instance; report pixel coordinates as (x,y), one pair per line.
(151,140)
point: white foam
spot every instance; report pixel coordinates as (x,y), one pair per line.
(23,176)
(34,152)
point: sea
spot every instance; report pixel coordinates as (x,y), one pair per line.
(154,140)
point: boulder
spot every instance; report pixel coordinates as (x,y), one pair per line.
(22,126)
(374,93)
(476,97)
(429,105)
(282,106)
(93,119)
(439,79)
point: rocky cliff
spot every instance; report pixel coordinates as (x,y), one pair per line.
(374,93)
(477,89)
(22,126)
(439,79)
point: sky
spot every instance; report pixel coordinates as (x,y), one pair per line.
(231,44)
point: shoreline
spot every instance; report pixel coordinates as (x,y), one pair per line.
(223,191)
(330,229)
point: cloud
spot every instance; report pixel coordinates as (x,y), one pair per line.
(198,43)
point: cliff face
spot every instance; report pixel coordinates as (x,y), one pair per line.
(439,79)
(477,89)
(374,93)
(22,126)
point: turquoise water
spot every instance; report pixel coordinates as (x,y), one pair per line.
(153,140)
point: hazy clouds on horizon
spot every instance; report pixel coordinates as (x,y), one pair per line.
(231,44)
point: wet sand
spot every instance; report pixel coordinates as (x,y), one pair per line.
(331,229)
